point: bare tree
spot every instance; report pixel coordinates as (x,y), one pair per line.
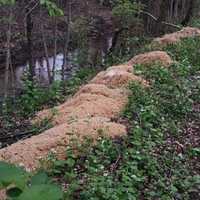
(55,48)
(166,14)
(67,36)
(46,54)
(8,52)
(29,27)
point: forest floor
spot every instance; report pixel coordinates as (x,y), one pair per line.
(155,150)
(117,77)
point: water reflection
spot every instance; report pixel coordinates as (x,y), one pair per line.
(40,71)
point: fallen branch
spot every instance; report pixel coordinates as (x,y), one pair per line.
(115,164)
(163,22)
(32,132)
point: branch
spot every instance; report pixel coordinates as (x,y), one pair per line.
(31,10)
(172,25)
(115,164)
(163,22)
(149,14)
(28,4)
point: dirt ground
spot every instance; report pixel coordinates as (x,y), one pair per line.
(176,37)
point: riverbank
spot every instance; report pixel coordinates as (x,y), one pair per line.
(154,155)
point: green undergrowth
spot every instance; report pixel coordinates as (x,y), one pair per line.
(151,162)
(22,185)
(186,52)
(15,114)
(35,98)
(154,161)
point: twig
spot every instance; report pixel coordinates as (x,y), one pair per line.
(25,133)
(31,10)
(114,165)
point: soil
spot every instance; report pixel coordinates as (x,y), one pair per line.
(176,37)
(151,58)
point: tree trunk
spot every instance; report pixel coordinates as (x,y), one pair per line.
(46,54)
(29,27)
(8,54)
(12,77)
(169,11)
(160,27)
(189,14)
(55,48)
(67,38)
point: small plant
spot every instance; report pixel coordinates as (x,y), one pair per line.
(186,51)
(81,76)
(21,185)
(34,97)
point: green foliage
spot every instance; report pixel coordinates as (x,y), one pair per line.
(126,11)
(7,2)
(10,174)
(143,167)
(34,97)
(146,164)
(50,5)
(21,185)
(186,51)
(195,22)
(52,8)
(82,76)
(41,192)
(173,95)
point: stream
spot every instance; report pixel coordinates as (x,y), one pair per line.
(16,79)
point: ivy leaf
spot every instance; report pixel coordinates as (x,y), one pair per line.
(10,174)
(41,192)
(40,178)
(52,8)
